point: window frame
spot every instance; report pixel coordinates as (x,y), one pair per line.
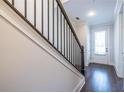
(100,30)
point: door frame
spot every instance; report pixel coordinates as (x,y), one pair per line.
(107,28)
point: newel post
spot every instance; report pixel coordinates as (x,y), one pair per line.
(82,61)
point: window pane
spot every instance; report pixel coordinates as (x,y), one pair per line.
(100,42)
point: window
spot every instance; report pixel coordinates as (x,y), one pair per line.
(100,45)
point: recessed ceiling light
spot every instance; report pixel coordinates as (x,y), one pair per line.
(77,18)
(91,13)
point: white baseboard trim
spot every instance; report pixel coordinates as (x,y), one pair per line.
(100,63)
(116,71)
(79,86)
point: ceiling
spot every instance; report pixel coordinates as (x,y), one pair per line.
(80,8)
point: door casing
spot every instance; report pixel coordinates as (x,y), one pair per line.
(101,59)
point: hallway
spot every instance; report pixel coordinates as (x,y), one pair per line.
(70,39)
(101,78)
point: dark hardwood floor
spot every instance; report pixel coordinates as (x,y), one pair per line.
(102,78)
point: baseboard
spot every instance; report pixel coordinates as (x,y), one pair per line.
(100,63)
(79,86)
(117,72)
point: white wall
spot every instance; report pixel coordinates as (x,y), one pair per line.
(118,43)
(83,34)
(28,63)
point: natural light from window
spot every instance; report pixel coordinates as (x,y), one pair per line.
(100,45)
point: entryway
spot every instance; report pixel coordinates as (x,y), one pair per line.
(100,50)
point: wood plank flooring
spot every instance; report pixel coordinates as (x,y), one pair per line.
(102,78)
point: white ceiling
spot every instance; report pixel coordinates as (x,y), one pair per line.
(80,8)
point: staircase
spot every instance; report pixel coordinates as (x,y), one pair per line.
(49,19)
(39,48)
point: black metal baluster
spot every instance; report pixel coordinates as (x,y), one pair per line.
(48,18)
(80,58)
(25,8)
(13,2)
(71,47)
(69,44)
(42,17)
(73,52)
(61,29)
(76,54)
(67,38)
(34,13)
(64,34)
(57,27)
(77,57)
(53,23)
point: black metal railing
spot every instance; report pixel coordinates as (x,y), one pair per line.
(49,19)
